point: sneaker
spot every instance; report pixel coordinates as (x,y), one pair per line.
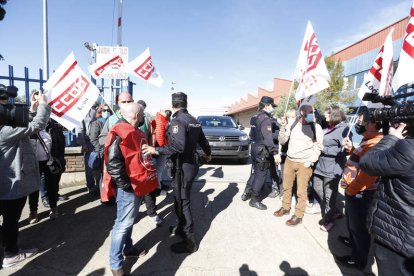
(273,194)
(327,226)
(134,253)
(21,256)
(33,218)
(313,209)
(348,261)
(54,214)
(62,197)
(45,202)
(163,193)
(156,220)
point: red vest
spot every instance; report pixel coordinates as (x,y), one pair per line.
(141,172)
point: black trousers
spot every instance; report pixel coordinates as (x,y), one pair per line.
(11,211)
(51,187)
(182,198)
(150,203)
(258,179)
(390,262)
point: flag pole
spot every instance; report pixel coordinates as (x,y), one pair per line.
(288,98)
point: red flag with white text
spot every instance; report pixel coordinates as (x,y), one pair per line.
(143,67)
(311,68)
(70,93)
(405,69)
(378,79)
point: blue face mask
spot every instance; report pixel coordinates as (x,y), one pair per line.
(310,118)
(105,114)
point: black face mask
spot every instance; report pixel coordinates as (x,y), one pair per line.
(359,129)
(141,123)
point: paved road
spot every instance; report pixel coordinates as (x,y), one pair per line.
(235,239)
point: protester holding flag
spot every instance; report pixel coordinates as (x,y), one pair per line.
(305,143)
(20,177)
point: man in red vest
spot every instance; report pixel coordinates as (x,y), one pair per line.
(132,174)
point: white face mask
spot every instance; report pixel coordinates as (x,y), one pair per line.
(105,114)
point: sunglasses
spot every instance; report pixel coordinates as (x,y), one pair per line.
(105,109)
(126,101)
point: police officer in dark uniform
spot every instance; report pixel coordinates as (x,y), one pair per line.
(262,151)
(184,133)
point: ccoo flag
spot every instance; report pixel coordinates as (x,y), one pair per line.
(378,79)
(143,67)
(311,68)
(70,93)
(404,73)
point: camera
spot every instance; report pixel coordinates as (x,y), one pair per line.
(16,115)
(399,111)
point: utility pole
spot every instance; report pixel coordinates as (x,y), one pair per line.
(45,42)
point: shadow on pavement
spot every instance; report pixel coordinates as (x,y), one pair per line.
(339,249)
(68,243)
(245,271)
(289,270)
(204,211)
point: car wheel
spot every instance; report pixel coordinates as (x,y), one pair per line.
(243,160)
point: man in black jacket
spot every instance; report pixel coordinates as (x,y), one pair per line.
(264,152)
(392,222)
(184,134)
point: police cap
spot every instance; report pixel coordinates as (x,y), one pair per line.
(179,97)
(268,100)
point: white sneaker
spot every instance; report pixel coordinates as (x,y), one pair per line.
(313,209)
(156,220)
(21,256)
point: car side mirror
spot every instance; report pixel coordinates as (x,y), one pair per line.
(241,127)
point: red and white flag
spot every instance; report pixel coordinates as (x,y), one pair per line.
(379,77)
(405,69)
(101,69)
(311,68)
(70,93)
(143,67)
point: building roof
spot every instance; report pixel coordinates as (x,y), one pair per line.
(372,41)
(280,88)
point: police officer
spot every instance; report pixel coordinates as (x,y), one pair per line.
(262,151)
(184,133)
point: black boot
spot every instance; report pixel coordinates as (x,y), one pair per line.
(246,194)
(188,245)
(177,231)
(255,202)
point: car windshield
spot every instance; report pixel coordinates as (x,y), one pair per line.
(224,122)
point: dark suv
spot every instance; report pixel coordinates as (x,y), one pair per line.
(225,138)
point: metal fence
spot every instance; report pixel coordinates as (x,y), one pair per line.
(70,136)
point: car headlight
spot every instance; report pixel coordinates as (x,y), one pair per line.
(243,137)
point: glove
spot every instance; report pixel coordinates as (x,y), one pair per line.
(278,159)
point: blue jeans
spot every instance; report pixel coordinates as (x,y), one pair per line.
(357,208)
(90,180)
(126,211)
